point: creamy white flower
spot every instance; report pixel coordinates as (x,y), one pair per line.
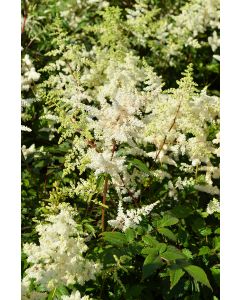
(105,162)
(214,41)
(29,74)
(132,217)
(75,296)
(25,128)
(28,151)
(196,162)
(58,260)
(213,190)
(213,206)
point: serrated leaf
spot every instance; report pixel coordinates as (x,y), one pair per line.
(115,238)
(151,241)
(173,253)
(130,235)
(175,275)
(198,274)
(162,247)
(151,263)
(204,250)
(188,253)
(90,228)
(168,233)
(140,165)
(167,220)
(149,250)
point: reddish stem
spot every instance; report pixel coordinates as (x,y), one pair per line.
(170,128)
(24,23)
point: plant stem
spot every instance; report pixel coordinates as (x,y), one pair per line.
(105,189)
(25,14)
(170,128)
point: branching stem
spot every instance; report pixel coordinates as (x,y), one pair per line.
(170,128)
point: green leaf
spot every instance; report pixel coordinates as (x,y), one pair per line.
(161,247)
(140,165)
(100,181)
(151,263)
(115,238)
(205,231)
(172,253)
(175,275)
(52,294)
(188,253)
(130,235)
(216,243)
(148,250)
(204,250)
(151,241)
(198,274)
(61,291)
(216,274)
(198,224)
(134,291)
(90,228)
(168,233)
(167,220)
(181,211)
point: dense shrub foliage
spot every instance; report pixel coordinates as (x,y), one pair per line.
(120,149)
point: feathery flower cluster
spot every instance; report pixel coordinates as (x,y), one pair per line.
(104,163)
(118,117)
(31,295)
(196,17)
(75,296)
(28,151)
(25,128)
(28,77)
(73,11)
(132,217)
(29,74)
(139,19)
(122,102)
(209,189)
(174,121)
(172,33)
(213,206)
(58,259)
(176,115)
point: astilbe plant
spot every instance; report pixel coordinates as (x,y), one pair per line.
(58,259)
(140,159)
